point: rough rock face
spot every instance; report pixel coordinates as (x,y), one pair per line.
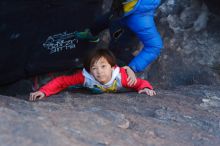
(185,116)
(191,53)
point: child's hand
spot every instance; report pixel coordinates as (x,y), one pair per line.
(36,95)
(147,91)
(132,80)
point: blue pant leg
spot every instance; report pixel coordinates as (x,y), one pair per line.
(142,24)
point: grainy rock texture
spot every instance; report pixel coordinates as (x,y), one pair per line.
(184,116)
(191,53)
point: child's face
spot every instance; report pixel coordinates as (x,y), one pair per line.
(101,70)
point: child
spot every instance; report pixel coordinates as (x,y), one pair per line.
(100,73)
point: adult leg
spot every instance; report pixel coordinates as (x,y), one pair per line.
(142,24)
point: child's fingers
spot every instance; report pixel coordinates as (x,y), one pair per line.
(141,91)
(152,92)
(34,97)
(148,92)
(144,91)
(31,97)
(41,97)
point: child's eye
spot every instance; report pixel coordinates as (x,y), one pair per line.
(93,68)
(103,66)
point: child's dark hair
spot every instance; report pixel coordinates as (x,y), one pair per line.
(96,55)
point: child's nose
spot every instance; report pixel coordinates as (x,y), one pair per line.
(99,70)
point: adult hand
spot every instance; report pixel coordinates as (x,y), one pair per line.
(36,95)
(132,80)
(147,91)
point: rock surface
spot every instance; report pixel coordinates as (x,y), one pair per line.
(191,53)
(185,116)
